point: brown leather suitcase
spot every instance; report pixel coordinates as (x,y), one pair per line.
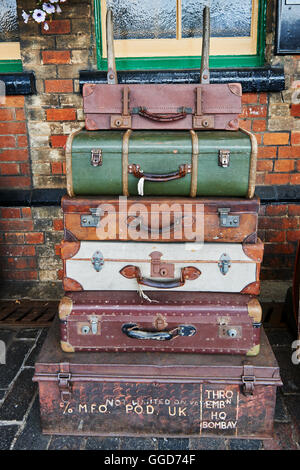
(157,106)
(231,220)
(156,394)
(189,323)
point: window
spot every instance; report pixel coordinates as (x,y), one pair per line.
(153,34)
(9,38)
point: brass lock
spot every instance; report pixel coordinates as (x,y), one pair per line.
(161,268)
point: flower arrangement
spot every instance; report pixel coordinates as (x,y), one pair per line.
(43,12)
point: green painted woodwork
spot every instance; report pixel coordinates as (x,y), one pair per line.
(176,63)
(161,152)
(10,66)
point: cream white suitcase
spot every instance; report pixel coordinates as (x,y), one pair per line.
(118,266)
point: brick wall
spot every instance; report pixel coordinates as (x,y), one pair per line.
(56,57)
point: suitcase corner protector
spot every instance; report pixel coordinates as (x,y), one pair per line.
(254,351)
(65,307)
(66,347)
(255,310)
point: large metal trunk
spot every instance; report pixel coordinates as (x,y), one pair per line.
(160,219)
(208,267)
(161,163)
(156,394)
(190,322)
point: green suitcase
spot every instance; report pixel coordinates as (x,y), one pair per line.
(161,163)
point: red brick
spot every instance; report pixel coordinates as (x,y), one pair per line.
(7,141)
(6,115)
(22,141)
(58,27)
(10,213)
(14,238)
(60,274)
(258,138)
(280,248)
(276,138)
(17,250)
(9,169)
(65,114)
(259,125)
(263,98)
(277,209)
(56,57)
(14,155)
(255,111)
(295,110)
(34,238)
(294,209)
(277,178)
(17,101)
(249,98)
(64,168)
(264,165)
(58,86)
(19,275)
(295,138)
(20,115)
(19,225)
(289,152)
(245,124)
(279,223)
(295,179)
(15,182)
(267,152)
(24,168)
(275,236)
(26,213)
(260,178)
(56,168)
(58,140)
(12,128)
(58,224)
(57,250)
(293,236)
(22,263)
(284,166)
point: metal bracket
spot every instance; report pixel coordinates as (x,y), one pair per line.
(92,328)
(64,386)
(161,268)
(227,220)
(224,264)
(248,380)
(96,157)
(91,220)
(224,158)
(98,261)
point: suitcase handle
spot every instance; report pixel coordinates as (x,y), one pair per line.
(161,117)
(138,222)
(189,273)
(132,330)
(183,170)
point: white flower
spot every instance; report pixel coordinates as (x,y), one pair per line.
(48,8)
(58,9)
(46,26)
(25,16)
(39,15)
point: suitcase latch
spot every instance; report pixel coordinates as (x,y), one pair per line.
(224,158)
(96,157)
(161,268)
(97,261)
(65,386)
(227,220)
(224,263)
(91,220)
(92,328)
(248,380)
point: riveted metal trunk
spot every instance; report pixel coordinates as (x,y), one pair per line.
(165,163)
(156,394)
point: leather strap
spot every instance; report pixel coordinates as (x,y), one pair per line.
(125,150)
(195,153)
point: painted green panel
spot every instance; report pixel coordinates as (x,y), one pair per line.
(7,66)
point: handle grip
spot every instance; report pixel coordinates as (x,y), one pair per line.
(132,331)
(189,273)
(161,117)
(183,170)
(138,221)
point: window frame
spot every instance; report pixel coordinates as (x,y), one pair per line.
(185,62)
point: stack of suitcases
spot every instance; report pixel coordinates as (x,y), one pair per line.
(160,325)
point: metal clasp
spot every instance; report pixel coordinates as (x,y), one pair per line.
(224,263)
(64,386)
(161,268)
(91,220)
(98,261)
(227,220)
(248,380)
(224,158)
(96,157)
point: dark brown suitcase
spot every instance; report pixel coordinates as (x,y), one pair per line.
(188,323)
(155,106)
(156,394)
(232,220)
